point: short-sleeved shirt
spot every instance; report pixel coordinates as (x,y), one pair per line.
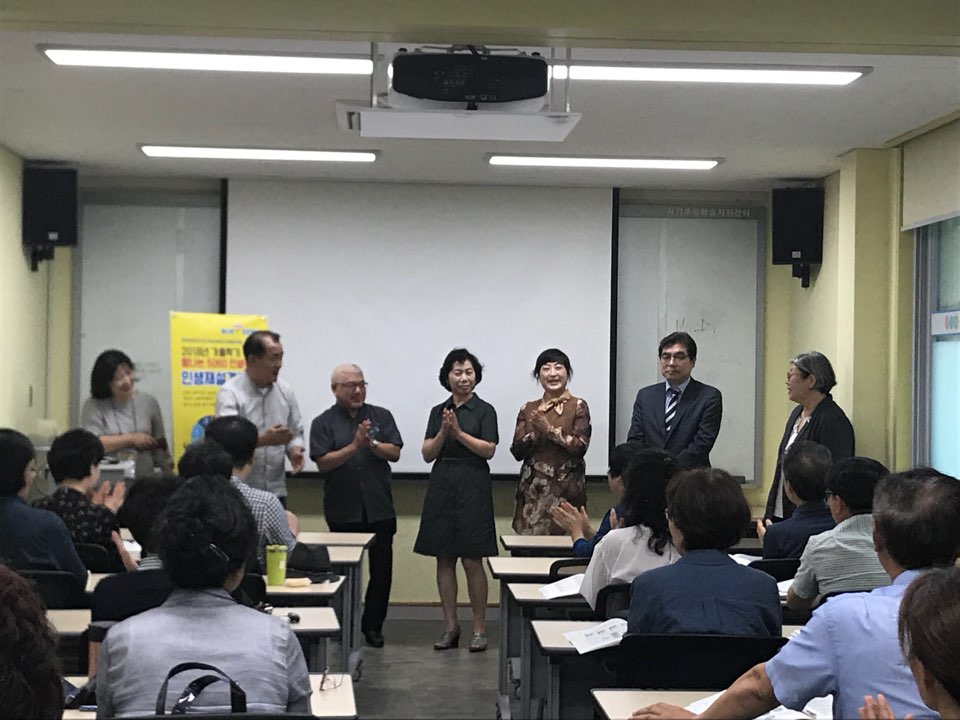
(476,417)
(264,407)
(849,648)
(141,413)
(361,485)
(34,539)
(272,526)
(840,560)
(788,538)
(87,523)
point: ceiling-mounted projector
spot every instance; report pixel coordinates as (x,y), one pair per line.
(470,78)
(462,93)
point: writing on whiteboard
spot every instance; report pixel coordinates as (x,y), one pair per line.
(695,326)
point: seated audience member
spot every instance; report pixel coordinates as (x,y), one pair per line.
(30,684)
(90,516)
(575,520)
(929,628)
(643,542)
(204,536)
(804,469)
(705,591)
(30,538)
(850,648)
(119,596)
(211,458)
(842,559)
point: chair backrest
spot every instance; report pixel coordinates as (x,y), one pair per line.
(835,593)
(251,591)
(97,559)
(59,590)
(779,569)
(690,662)
(229,716)
(612,599)
(567,566)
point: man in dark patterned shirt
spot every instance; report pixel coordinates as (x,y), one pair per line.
(90,513)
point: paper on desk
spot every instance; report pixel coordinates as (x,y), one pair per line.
(569,585)
(743,559)
(783,586)
(820,708)
(604,635)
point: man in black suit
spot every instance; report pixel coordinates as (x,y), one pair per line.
(681,415)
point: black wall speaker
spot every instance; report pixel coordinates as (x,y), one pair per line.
(49,206)
(797,226)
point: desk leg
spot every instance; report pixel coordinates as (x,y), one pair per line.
(317,660)
(503,680)
(350,651)
(526,668)
(552,710)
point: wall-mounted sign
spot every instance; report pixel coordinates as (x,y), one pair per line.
(945,323)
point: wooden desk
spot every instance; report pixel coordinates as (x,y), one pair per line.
(537,545)
(333,703)
(510,570)
(316,625)
(620,704)
(336,538)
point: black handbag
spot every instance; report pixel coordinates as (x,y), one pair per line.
(238,698)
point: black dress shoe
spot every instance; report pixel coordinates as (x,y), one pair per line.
(374,638)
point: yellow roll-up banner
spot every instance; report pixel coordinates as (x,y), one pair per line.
(206,350)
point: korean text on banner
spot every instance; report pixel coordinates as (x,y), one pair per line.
(206,350)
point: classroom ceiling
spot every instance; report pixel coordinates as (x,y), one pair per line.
(95,119)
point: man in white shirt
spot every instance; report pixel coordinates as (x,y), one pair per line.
(269,403)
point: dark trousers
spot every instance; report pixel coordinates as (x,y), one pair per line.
(380,555)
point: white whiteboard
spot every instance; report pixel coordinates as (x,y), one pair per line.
(137,263)
(392,277)
(700,276)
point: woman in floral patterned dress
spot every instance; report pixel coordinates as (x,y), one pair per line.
(552,436)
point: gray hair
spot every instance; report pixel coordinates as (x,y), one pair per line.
(816,364)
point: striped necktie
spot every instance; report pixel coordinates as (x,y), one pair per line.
(671,408)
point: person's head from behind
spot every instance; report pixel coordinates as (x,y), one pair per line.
(706,509)
(263,354)
(237,436)
(805,468)
(143,504)
(112,376)
(206,457)
(930,637)
(916,520)
(461,372)
(206,534)
(18,462)
(645,498)
(850,484)
(619,458)
(29,670)
(75,455)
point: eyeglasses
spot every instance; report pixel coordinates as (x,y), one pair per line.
(678,356)
(351,386)
(328,681)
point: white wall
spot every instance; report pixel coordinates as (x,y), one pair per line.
(392,277)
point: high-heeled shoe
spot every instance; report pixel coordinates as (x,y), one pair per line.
(449,639)
(478,643)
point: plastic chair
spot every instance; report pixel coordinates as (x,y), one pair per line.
(59,590)
(690,662)
(567,566)
(97,559)
(611,600)
(779,569)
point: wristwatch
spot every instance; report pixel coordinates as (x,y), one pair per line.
(375,443)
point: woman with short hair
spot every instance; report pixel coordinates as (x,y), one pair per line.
(457,516)
(705,591)
(124,418)
(204,536)
(551,438)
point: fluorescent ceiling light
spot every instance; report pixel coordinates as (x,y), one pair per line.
(607,163)
(215,153)
(748,75)
(160,60)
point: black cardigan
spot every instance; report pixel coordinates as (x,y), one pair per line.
(829,426)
